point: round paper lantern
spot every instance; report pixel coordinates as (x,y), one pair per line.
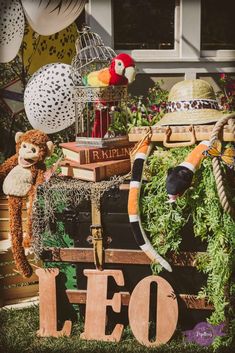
(48,98)
(48,17)
(43,50)
(11,29)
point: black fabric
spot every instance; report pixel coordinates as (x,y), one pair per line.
(178,180)
(137,169)
(137,233)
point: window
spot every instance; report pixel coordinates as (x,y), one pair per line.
(167,36)
(217,25)
(149,26)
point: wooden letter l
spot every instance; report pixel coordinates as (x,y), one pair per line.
(47,305)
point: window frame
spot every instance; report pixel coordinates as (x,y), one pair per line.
(103,24)
(218,53)
(152,54)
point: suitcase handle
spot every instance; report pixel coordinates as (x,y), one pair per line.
(168,144)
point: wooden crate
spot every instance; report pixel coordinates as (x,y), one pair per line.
(14,288)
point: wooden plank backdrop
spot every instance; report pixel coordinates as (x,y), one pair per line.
(115,256)
(13,287)
(4,217)
(131,257)
(191,301)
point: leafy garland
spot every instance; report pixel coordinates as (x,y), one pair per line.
(161,220)
(211,222)
(164,221)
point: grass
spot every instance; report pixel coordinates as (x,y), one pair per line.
(18,335)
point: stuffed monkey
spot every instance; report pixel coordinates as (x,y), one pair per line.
(22,173)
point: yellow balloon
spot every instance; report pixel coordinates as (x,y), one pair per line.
(41,50)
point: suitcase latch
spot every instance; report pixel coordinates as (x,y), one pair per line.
(96,232)
(97,240)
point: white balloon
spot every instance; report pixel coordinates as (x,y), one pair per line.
(48,17)
(48,98)
(11,29)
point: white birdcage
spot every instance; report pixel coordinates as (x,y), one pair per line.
(94,106)
(91,55)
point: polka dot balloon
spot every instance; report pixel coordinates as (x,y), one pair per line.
(48,98)
(11,29)
(48,17)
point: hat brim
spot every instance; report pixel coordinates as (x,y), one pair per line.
(192,117)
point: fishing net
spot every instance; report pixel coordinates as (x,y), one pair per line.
(61,193)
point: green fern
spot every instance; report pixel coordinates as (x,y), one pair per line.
(164,222)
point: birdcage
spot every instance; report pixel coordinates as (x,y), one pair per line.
(95,107)
(91,55)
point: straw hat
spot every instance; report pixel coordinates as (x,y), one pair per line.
(191,102)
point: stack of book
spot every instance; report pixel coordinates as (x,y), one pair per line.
(94,163)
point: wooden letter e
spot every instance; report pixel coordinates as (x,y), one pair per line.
(96,303)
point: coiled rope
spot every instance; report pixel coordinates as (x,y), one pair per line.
(217,170)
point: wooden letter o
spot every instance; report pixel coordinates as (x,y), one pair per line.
(166,311)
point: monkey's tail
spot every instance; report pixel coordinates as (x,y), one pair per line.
(15,210)
(140,155)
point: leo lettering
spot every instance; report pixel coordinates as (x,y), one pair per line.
(97,302)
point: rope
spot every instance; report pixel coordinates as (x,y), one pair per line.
(217,170)
(147,135)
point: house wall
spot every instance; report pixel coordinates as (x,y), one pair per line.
(186,61)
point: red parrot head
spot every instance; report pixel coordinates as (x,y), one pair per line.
(123,65)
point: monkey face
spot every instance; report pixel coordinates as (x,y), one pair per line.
(28,154)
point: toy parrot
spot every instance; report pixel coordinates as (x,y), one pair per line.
(179,179)
(120,72)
